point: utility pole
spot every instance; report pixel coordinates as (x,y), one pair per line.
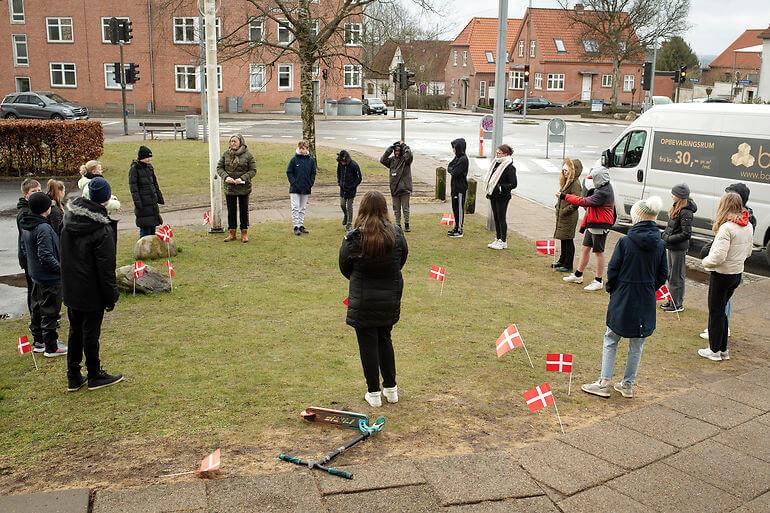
(212,94)
(402,81)
(655,49)
(527,50)
(202,69)
(500,73)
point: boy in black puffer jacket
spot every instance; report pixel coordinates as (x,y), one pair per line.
(677,238)
(348,179)
(458,168)
(145,192)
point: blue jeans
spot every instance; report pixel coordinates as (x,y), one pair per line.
(635,346)
(728,308)
(146,230)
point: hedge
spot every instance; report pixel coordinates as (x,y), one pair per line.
(43,147)
(424,101)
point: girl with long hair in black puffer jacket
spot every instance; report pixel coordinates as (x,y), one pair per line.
(677,238)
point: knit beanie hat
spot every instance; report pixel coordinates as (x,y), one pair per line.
(39,202)
(144,152)
(681,191)
(646,209)
(99,190)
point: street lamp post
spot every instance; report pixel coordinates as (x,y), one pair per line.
(500,65)
(212,95)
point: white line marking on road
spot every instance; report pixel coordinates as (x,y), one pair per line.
(110,123)
(546,165)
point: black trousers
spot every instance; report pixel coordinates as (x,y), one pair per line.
(377,356)
(29,291)
(45,314)
(499,211)
(85,329)
(721,288)
(567,257)
(458,209)
(235,205)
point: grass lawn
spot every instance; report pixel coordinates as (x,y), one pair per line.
(183,172)
(253,333)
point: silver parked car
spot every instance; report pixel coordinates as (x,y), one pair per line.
(40,105)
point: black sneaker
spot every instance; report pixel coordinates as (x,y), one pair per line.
(103,379)
(297,231)
(450,232)
(556,264)
(673,309)
(456,235)
(665,305)
(76,383)
(562,269)
(38,347)
(406,227)
(303,229)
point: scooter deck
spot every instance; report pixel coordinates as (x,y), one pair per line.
(348,419)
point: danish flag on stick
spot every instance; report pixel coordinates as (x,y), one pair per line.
(545,247)
(510,339)
(23,345)
(210,463)
(558,362)
(437,273)
(170,269)
(662,294)
(207,217)
(165,233)
(540,397)
(139,268)
(448,219)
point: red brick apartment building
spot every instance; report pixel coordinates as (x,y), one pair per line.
(63,46)
(736,60)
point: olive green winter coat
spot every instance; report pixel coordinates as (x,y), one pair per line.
(238,164)
(566,214)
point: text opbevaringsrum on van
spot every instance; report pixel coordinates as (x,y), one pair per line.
(688,143)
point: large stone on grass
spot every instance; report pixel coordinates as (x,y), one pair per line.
(151,281)
(150,247)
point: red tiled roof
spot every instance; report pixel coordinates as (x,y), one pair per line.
(742,60)
(480,36)
(433,55)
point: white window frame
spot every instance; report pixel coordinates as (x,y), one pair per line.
(106,27)
(16,84)
(532,48)
(628,83)
(465,58)
(17,18)
(196,74)
(482,89)
(560,46)
(490,57)
(591,45)
(350,30)
(20,39)
(253,70)
(109,72)
(351,70)
(185,23)
(516,80)
(521,48)
(287,28)
(555,82)
(254,24)
(606,80)
(538,81)
(61,65)
(315,27)
(59,25)
(455,58)
(290,87)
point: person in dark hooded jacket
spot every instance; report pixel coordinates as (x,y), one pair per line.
(88,282)
(237,168)
(677,238)
(145,192)
(458,169)
(28,187)
(637,269)
(301,173)
(348,179)
(398,159)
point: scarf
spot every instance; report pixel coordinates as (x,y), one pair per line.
(494,173)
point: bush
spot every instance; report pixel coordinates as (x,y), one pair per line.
(43,147)
(425,101)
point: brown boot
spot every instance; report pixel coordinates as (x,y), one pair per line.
(230,236)
(245,235)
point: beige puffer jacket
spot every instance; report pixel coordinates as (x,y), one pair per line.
(732,246)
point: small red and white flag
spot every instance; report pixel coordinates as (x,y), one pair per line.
(448,219)
(23,345)
(170,268)
(545,247)
(165,233)
(558,362)
(211,463)
(509,339)
(437,273)
(539,397)
(139,268)
(345,301)
(662,294)
(207,217)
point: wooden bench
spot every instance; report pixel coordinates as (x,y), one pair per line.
(161,126)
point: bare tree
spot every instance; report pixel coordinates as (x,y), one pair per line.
(622,30)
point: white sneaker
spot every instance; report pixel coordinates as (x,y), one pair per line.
(708,353)
(501,245)
(573,279)
(374,399)
(391,394)
(705,334)
(726,355)
(594,285)
(494,243)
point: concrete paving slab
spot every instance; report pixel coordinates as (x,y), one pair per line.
(751,438)
(711,408)
(564,468)
(529,505)
(602,498)
(665,488)
(65,501)
(757,376)
(618,444)
(152,499)
(668,426)
(371,477)
(759,505)
(417,499)
(478,477)
(742,391)
(764,419)
(723,467)
(289,491)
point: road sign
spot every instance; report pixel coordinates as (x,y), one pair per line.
(597,105)
(694,80)
(557,132)
(743,82)
(488,123)
(423,88)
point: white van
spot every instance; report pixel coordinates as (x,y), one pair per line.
(708,146)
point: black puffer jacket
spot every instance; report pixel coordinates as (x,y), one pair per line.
(679,229)
(42,247)
(348,175)
(145,193)
(23,208)
(88,257)
(458,168)
(376,284)
(55,218)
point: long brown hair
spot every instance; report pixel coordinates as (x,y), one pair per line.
(565,180)
(677,207)
(730,209)
(55,189)
(376,230)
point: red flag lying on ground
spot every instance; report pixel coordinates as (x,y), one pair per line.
(170,268)
(437,273)
(662,294)
(211,462)
(545,247)
(539,397)
(448,219)
(139,269)
(207,217)
(23,345)
(509,339)
(558,362)
(165,233)
(345,301)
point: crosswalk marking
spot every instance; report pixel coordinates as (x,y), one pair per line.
(546,165)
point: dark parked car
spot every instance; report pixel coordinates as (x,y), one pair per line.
(374,106)
(534,102)
(40,105)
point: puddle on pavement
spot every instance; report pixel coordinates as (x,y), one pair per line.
(13,299)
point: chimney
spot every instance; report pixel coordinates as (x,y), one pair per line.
(579,8)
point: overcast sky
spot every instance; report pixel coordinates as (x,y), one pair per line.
(714,23)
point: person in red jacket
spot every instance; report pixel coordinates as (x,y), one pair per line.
(599,203)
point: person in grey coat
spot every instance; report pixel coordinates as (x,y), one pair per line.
(398,159)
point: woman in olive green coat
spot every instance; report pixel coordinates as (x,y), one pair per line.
(567,215)
(237,168)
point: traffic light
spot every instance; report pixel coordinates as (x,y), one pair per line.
(410,81)
(682,74)
(114,30)
(126,31)
(325,73)
(647,76)
(526,73)
(677,77)
(132,73)
(116,72)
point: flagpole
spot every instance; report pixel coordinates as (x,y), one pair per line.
(170,278)
(569,387)
(34,360)
(179,474)
(134,273)
(557,414)
(525,350)
(442,285)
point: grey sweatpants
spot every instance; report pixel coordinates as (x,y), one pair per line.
(346,204)
(676,271)
(401,203)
